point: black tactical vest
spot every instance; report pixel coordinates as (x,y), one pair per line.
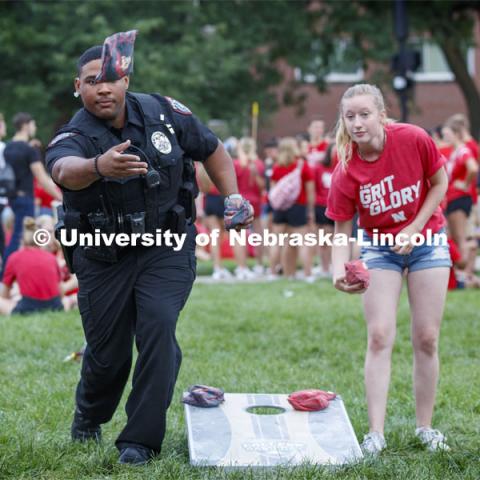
(120,196)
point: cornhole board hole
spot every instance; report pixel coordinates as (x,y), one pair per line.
(263,430)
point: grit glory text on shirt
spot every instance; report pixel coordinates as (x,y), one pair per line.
(389,192)
(381,197)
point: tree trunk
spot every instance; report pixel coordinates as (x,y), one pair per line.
(458,65)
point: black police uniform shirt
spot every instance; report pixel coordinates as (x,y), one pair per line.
(196,140)
(20,156)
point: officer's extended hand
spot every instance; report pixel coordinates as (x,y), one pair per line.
(114,163)
(238,213)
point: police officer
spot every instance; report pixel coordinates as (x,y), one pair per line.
(122,163)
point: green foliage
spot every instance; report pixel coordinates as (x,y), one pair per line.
(215,56)
(206,54)
(244,338)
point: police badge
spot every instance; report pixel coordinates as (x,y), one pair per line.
(161,142)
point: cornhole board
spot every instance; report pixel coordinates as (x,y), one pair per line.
(231,436)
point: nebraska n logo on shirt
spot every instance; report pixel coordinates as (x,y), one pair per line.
(382,197)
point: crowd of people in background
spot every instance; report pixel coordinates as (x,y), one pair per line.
(36,278)
(314,154)
(33,278)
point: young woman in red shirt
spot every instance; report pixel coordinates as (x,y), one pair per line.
(462,170)
(473,221)
(394,176)
(322,167)
(250,173)
(294,220)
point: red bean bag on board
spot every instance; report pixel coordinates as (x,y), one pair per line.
(310,400)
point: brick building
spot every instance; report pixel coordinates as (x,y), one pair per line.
(436,94)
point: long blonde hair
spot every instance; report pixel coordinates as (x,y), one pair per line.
(342,138)
(288,151)
(248,147)
(29,228)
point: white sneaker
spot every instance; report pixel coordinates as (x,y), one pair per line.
(244,273)
(309,279)
(221,274)
(373,443)
(317,270)
(271,277)
(433,439)
(258,270)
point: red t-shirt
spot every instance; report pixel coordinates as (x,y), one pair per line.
(279,171)
(45,198)
(323,180)
(446,150)
(455,256)
(247,186)
(457,170)
(473,146)
(316,153)
(389,192)
(36,272)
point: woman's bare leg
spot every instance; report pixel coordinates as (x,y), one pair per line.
(380,303)
(427,291)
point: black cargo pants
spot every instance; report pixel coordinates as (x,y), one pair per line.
(138,297)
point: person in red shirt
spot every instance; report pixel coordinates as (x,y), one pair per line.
(473,220)
(270,155)
(323,179)
(464,126)
(69,282)
(394,176)
(295,219)
(318,144)
(462,168)
(251,182)
(213,221)
(38,276)
(316,156)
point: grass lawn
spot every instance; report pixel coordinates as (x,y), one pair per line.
(244,338)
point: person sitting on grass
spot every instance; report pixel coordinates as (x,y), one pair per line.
(38,276)
(69,282)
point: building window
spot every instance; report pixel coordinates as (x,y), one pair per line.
(434,66)
(344,65)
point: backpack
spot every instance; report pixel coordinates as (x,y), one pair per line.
(7,176)
(286,191)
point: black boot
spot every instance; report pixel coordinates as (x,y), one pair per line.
(135,455)
(84,429)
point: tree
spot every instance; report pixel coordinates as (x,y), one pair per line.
(210,55)
(448,23)
(215,56)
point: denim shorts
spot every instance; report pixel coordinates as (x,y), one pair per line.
(420,258)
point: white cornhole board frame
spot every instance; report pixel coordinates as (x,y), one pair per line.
(230,436)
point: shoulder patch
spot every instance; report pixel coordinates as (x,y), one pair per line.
(61,136)
(178,107)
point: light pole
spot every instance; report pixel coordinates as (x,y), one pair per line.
(406,61)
